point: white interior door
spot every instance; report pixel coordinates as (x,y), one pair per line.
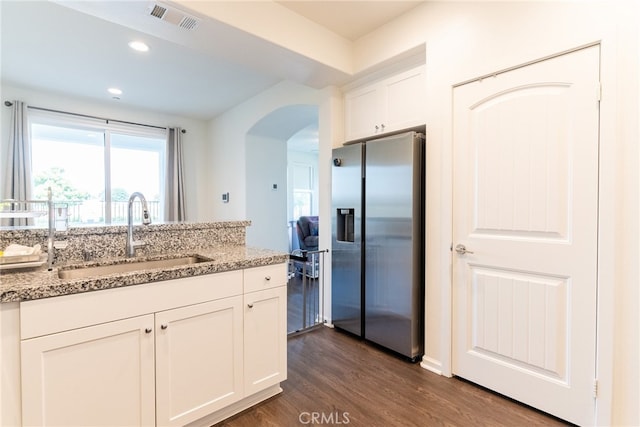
(525,208)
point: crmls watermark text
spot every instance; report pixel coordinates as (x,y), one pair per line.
(319,418)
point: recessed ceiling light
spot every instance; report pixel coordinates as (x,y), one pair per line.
(114,91)
(139,46)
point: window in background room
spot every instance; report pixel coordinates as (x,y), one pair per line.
(94,166)
(302,202)
(302,190)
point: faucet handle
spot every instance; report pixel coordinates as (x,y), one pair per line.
(146,218)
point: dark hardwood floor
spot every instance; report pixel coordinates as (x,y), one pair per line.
(337,379)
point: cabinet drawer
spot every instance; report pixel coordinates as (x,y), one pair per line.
(50,315)
(259,278)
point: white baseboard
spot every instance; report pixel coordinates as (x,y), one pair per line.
(431,365)
(237,407)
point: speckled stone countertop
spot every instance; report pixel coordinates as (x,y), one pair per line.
(88,243)
(222,242)
(23,285)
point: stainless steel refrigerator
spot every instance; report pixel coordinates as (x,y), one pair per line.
(378,241)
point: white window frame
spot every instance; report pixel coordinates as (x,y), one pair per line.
(106,127)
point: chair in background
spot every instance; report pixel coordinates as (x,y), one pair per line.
(307,230)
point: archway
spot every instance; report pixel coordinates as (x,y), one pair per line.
(269,196)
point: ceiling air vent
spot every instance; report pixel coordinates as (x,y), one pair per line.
(173,16)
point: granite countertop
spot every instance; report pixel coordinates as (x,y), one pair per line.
(30,284)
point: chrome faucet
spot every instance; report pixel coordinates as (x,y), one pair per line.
(146,220)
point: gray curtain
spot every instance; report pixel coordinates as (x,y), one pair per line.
(174,183)
(17,176)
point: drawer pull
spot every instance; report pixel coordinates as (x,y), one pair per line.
(267,278)
(148,330)
(164,326)
(250,305)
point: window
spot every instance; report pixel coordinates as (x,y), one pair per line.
(93,166)
(302,184)
(302,202)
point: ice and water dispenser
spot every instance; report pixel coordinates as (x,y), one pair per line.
(345,228)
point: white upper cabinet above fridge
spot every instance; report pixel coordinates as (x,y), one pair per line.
(388,105)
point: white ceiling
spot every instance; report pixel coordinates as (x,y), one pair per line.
(350,19)
(76,48)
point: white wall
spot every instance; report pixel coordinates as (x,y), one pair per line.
(267,208)
(465,40)
(228,151)
(330,135)
(194,141)
(228,134)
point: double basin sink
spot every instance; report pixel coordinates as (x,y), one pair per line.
(127,266)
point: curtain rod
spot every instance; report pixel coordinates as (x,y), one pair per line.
(9,104)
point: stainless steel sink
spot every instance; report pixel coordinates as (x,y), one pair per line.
(125,267)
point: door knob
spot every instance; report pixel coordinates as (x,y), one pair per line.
(461,249)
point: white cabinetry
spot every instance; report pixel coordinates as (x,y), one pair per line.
(98,375)
(155,353)
(198,368)
(265,327)
(388,105)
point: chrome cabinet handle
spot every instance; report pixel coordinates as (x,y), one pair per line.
(148,330)
(164,326)
(461,249)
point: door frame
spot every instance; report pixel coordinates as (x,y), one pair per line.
(606,229)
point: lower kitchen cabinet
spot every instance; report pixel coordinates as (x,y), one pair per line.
(198,360)
(154,354)
(265,338)
(100,375)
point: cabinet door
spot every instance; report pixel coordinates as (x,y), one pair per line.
(265,339)
(403,100)
(95,376)
(362,113)
(198,360)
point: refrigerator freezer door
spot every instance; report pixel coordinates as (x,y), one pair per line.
(394,258)
(346,245)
